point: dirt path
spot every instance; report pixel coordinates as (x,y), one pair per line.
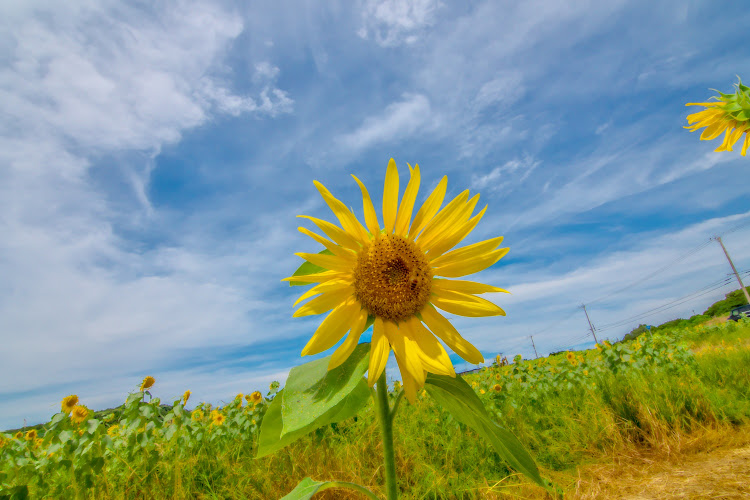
(717,474)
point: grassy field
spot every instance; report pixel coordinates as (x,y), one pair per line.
(684,387)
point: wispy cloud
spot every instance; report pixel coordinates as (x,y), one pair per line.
(394,22)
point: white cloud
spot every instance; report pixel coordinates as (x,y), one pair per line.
(399,120)
(511,173)
(396,22)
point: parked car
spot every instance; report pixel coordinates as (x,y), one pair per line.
(739,312)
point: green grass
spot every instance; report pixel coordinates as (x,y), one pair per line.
(649,393)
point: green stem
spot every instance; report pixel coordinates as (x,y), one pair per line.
(386,429)
(351,486)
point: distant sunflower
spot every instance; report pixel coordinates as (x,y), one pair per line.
(255,398)
(497,387)
(217,418)
(80,414)
(68,403)
(18,435)
(113,430)
(729,114)
(570,356)
(147,383)
(196,416)
(31,435)
(185,397)
(396,277)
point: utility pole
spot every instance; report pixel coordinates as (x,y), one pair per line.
(742,287)
(590,325)
(534,346)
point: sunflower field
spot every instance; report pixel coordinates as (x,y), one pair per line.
(569,408)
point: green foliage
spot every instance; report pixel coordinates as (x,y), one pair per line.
(724,307)
(567,409)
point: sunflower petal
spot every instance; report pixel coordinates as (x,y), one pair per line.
(347,347)
(448,227)
(403,218)
(324,303)
(332,262)
(379,351)
(450,240)
(464,286)
(390,197)
(337,250)
(371,218)
(429,208)
(467,252)
(431,229)
(443,328)
(334,232)
(333,327)
(713,131)
(345,216)
(471,266)
(746,143)
(463,304)
(431,352)
(316,277)
(327,286)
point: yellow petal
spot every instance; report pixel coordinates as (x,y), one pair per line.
(371,218)
(746,144)
(331,262)
(405,350)
(337,250)
(464,304)
(717,103)
(390,197)
(431,352)
(468,252)
(379,351)
(451,239)
(347,347)
(464,286)
(734,137)
(713,131)
(316,277)
(443,328)
(450,210)
(410,385)
(347,219)
(429,208)
(446,228)
(337,234)
(403,218)
(325,302)
(327,286)
(333,327)
(471,266)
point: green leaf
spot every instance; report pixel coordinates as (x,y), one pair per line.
(311,390)
(456,396)
(308,268)
(270,439)
(22,493)
(304,490)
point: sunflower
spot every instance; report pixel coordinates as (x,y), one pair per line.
(730,113)
(68,403)
(255,398)
(395,276)
(217,418)
(147,383)
(31,435)
(18,435)
(497,388)
(113,430)
(185,397)
(196,416)
(80,414)
(570,356)
(239,397)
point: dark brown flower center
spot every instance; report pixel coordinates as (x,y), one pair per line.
(393,278)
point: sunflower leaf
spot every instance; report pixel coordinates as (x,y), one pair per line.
(457,397)
(311,390)
(309,487)
(271,440)
(308,268)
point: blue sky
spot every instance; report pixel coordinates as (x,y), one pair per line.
(153,159)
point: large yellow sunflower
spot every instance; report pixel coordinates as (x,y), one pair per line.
(730,114)
(396,276)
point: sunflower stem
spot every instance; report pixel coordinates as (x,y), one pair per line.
(386,429)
